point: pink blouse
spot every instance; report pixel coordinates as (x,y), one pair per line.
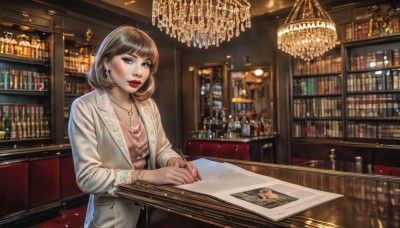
(138,147)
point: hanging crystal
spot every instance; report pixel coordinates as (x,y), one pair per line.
(308,31)
(201,23)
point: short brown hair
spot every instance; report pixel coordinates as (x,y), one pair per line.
(122,40)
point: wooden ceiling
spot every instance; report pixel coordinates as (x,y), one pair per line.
(258,7)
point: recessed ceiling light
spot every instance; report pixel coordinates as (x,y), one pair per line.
(128,3)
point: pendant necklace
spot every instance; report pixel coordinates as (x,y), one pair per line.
(130,112)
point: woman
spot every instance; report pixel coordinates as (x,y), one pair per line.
(116,133)
(266,196)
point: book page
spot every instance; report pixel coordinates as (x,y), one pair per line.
(267,196)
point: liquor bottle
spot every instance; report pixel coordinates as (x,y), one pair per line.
(16,116)
(13,134)
(19,122)
(224,124)
(261,125)
(237,126)
(257,126)
(2,79)
(7,122)
(245,127)
(2,124)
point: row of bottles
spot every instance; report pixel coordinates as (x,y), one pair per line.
(24,121)
(26,46)
(226,126)
(11,79)
(76,85)
(78,61)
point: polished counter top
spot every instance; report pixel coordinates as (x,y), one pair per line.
(369,200)
(240,140)
(337,165)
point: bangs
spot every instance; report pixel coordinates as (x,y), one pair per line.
(139,44)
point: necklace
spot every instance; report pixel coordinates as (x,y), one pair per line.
(130,112)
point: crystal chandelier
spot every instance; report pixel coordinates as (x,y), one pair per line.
(201,23)
(308,31)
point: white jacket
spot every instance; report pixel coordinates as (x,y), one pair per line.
(102,160)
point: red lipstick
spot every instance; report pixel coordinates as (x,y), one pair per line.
(134,83)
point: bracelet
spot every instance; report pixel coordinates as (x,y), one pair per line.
(141,177)
(138,175)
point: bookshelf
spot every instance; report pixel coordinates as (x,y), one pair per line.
(372,89)
(25,85)
(317,97)
(352,93)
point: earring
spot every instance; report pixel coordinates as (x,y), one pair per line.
(107,73)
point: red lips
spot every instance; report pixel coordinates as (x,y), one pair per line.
(134,83)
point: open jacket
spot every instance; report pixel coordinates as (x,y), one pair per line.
(101,156)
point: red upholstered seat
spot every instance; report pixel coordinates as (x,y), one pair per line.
(387,170)
(396,171)
(298,161)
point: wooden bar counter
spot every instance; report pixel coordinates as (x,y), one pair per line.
(369,201)
(261,148)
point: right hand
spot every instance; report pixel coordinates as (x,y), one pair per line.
(168,175)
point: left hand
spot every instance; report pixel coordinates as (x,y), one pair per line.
(178,162)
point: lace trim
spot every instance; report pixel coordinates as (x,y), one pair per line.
(110,119)
(121,177)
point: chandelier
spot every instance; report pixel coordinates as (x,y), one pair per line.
(201,23)
(308,31)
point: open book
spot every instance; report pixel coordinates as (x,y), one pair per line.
(267,196)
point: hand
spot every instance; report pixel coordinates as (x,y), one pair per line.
(190,167)
(168,175)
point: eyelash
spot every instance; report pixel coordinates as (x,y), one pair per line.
(129,60)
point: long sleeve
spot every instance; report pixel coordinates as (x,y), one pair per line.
(93,175)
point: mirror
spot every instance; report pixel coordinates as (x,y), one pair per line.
(252,94)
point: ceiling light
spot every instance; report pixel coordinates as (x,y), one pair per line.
(308,31)
(129,3)
(201,23)
(258,72)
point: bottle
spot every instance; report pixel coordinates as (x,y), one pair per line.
(237,126)
(2,124)
(2,79)
(261,125)
(245,127)
(19,122)
(254,126)
(13,134)
(7,122)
